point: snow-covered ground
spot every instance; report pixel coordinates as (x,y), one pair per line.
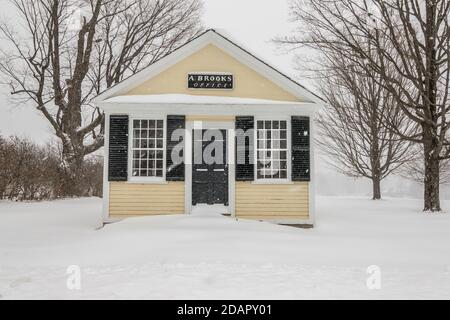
(207,256)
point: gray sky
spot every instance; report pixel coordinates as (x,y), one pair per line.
(251,22)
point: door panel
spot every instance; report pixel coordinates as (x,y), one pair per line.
(209,181)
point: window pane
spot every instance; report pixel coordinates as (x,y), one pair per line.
(276,144)
(148,135)
(260,174)
(272,149)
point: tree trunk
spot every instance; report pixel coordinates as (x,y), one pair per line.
(431,176)
(375,155)
(72,172)
(376,188)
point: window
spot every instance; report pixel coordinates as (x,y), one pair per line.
(272,149)
(148,148)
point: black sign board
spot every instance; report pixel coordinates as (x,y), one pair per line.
(210,81)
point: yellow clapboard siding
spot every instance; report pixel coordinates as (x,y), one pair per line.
(173,201)
(249,83)
(163,206)
(244,202)
(272,201)
(143,198)
(129,199)
(146,195)
(288,211)
(278,217)
(123,216)
(265,208)
(144,212)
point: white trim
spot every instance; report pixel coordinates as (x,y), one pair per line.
(138,179)
(288,151)
(312,168)
(153,70)
(146,180)
(264,69)
(231,170)
(273,181)
(260,110)
(105,208)
(211,37)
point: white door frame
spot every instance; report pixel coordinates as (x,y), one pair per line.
(229,126)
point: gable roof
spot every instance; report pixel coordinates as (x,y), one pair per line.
(211,36)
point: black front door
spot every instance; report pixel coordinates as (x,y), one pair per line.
(210,168)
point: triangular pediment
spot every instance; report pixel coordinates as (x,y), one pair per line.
(210,59)
(211,53)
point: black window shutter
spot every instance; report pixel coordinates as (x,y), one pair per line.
(174,172)
(301,151)
(118,148)
(244,167)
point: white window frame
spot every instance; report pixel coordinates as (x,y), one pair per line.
(138,179)
(286,180)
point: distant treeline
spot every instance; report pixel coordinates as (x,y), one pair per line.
(29,171)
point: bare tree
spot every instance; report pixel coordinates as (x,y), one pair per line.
(414,169)
(410,37)
(67,51)
(352,133)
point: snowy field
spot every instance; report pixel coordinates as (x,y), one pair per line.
(214,257)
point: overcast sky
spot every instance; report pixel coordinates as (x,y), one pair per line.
(251,22)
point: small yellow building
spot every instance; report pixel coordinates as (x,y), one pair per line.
(212,127)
